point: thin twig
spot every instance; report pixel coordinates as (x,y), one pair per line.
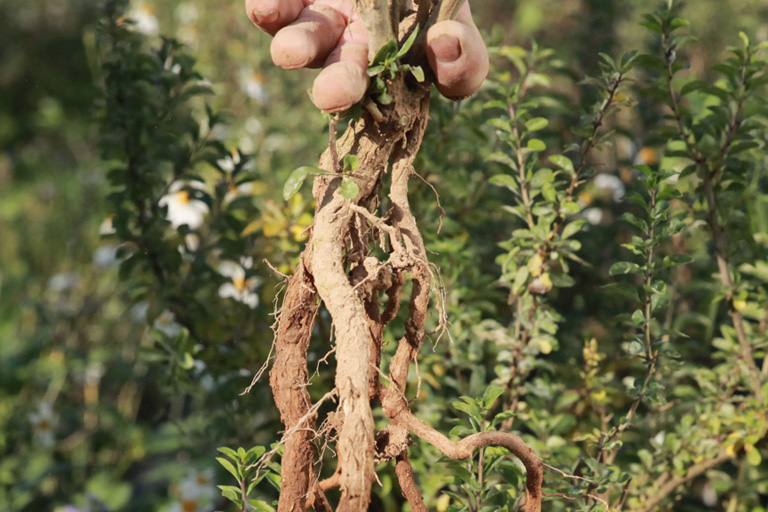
(566,475)
(673,482)
(577,498)
(264,459)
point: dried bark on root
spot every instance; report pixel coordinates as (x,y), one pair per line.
(338,269)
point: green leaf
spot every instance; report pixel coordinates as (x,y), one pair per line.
(296,180)
(624,267)
(418,73)
(638,223)
(351,163)
(231,492)
(659,301)
(501,124)
(693,86)
(542,177)
(256,451)
(570,208)
(608,60)
(408,43)
(635,347)
(502,158)
(679,23)
(503,416)
(561,280)
(274,479)
(754,457)
(349,189)
(504,180)
(745,39)
(572,228)
(229,467)
(375,70)
(385,53)
(491,394)
(644,169)
(384,98)
(627,59)
(536,124)
(677,259)
(562,162)
(261,506)
(536,145)
(470,409)
(624,289)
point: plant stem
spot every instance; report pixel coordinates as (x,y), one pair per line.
(723,266)
(714,170)
(674,482)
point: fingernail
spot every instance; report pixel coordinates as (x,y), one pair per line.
(265,17)
(446,48)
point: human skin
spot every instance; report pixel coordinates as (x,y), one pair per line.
(331,35)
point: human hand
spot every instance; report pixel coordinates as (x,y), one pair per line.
(330,34)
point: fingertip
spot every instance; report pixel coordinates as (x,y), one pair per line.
(458,57)
(272,15)
(339,86)
(293,48)
(309,40)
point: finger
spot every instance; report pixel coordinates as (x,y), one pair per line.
(307,41)
(344,79)
(458,56)
(272,15)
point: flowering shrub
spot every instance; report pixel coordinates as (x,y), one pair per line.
(601,246)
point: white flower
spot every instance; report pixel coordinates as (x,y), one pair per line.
(192,242)
(195,492)
(166,323)
(275,143)
(239,288)
(234,191)
(61,282)
(207,383)
(182,209)
(94,372)
(253,126)
(43,422)
(247,144)
(593,215)
(105,256)
(186,13)
(612,183)
(672,180)
(186,506)
(228,163)
(198,485)
(188,35)
(252,84)
(138,312)
(107,227)
(146,21)
(709,495)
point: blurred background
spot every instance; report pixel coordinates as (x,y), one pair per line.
(87,420)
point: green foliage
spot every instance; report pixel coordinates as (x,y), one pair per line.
(603,246)
(243,466)
(386,64)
